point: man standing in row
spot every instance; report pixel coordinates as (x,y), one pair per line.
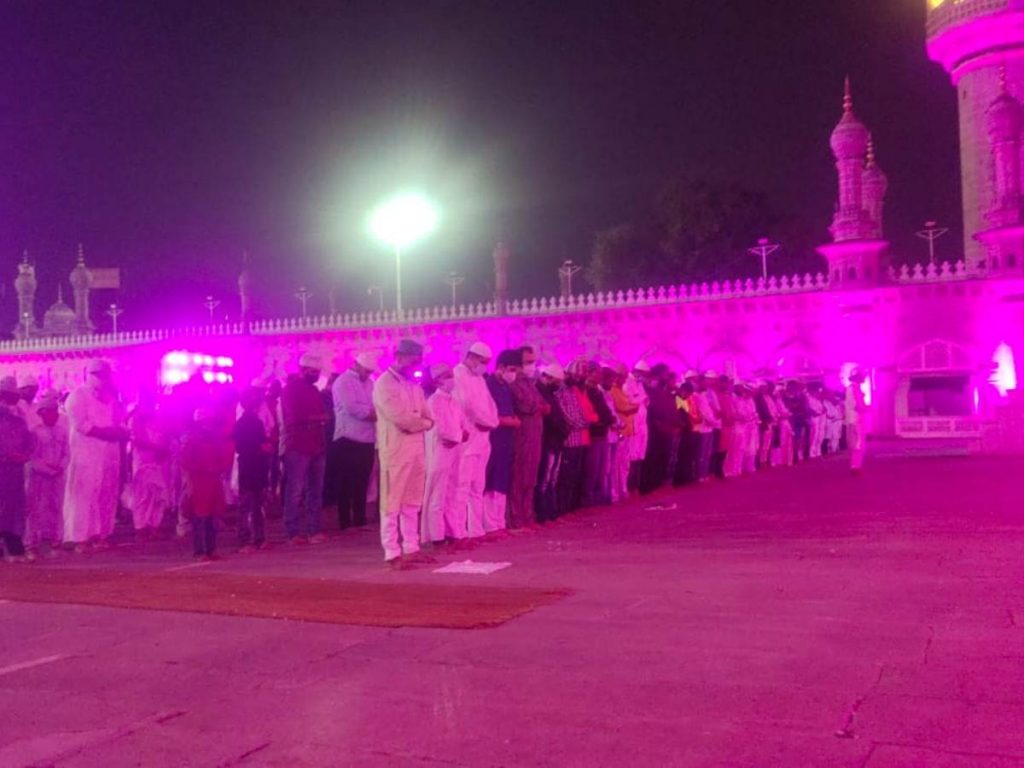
(355,430)
(530,408)
(403,420)
(97,432)
(305,452)
(482,417)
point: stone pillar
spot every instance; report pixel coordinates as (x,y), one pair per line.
(501,254)
(81,285)
(245,292)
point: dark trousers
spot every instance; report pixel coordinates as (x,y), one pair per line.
(717,455)
(354,463)
(655,469)
(250,517)
(595,470)
(686,466)
(546,502)
(204,536)
(570,479)
(13,544)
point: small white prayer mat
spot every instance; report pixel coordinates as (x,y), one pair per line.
(468,566)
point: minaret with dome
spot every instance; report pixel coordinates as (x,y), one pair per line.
(980,43)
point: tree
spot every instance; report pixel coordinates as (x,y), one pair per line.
(695,231)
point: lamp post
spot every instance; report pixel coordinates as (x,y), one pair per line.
(454,280)
(931,232)
(115,312)
(399,223)
(303,295)
(376,289)
(211,304)
(565,272)
(764,249)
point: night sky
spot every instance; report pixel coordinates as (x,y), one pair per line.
(169,137)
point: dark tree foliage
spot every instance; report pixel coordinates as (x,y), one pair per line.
(696,231)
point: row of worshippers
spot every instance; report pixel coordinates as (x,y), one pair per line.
(470,452)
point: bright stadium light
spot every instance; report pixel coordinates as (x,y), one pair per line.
(398,223)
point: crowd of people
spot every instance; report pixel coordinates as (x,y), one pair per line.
(453,455)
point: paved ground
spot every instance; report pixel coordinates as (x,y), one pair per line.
(797,618)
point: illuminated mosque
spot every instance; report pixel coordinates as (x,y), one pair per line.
(939,341)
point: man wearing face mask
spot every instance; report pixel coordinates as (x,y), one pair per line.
(499,464)
(403,418)
(481,416)
(444,445)
(304,415)
(531,408)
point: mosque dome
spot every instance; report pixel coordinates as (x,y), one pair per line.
(874,178)
(59,319)
(25,282)
(850,137)
(1004,118)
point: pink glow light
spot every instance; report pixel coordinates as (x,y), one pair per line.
(1004,377)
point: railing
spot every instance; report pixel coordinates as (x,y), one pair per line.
(953,12)
(929,273)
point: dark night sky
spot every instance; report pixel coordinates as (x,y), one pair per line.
(171,136)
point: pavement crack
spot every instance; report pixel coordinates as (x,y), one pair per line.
(245,755)
(928,646)
(1010,617)
(845,731)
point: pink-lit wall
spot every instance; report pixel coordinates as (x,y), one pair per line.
(812,334)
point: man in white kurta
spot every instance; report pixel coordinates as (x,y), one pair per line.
(856,416)
(481,417)
(93,480)
(816,409)
(402,421)
(441,520)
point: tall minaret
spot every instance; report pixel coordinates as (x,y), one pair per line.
(1004,237)
(25,287)
(245,290)
(81,284)
(974,40)
(857,249)
(875,184)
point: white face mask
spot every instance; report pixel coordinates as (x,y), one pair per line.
(530,369)
(509,376)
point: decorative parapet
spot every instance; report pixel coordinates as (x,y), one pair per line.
(954,12)
(600,301)
(929,273)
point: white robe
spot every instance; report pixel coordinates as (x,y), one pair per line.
(634,390)
(440,518)
(481,416)
(90,498)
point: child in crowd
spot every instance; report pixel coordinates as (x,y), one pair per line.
(15,451)
(46,478)
(206,457)
(255,448)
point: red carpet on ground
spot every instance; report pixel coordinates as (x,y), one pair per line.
(331,602)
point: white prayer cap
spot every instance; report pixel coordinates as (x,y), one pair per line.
(439,370)
(98,367)
(28,380)
(481,350)
(691,374)
(309,360)
(712,374)
(367,361)
(641,365)
(554,370)
(49,399)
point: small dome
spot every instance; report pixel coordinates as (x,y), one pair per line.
(59,319)
(874,179)
(1003,118)
(25,282)
(850,138)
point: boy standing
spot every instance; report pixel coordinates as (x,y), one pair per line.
(254,448)
(46,477)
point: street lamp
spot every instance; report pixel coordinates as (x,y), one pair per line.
(303,295)
(931,232)
(764,249)
(565,272)
(211,305)
(398,223)
(114,312)
(454,280)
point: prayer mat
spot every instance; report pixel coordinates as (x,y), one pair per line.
(445,606)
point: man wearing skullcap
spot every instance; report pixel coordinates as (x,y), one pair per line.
(856,410)
(355,436)
(403,419)
(580,416)
(441,520)
(635,389)
(46,476)
(28,388)
(498,478)
(303,415)
(531,408)
(96,423)
(482,417)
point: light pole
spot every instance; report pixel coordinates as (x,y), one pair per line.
(115,312)
(565,272)
(764,249)
(211,304)
(303,295)
(454,280)
(400,222)
(931,232)
(376,289)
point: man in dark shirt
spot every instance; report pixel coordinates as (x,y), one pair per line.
(254,449)
(305,453)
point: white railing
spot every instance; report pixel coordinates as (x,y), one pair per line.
(929,273)
(953,12)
